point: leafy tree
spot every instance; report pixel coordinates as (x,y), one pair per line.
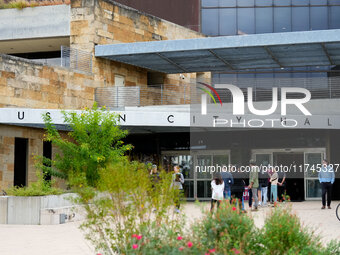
(94,140)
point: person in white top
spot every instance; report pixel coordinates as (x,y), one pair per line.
(217,186)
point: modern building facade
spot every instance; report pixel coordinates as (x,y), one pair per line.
(135,64)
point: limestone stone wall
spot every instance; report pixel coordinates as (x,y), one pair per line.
(7,138)
(107,22)
(28,84)
(35,147)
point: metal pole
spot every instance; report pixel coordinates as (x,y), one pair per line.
(61,55)
(184,93)
(138,95)
(117,97)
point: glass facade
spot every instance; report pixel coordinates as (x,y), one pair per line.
(237,17)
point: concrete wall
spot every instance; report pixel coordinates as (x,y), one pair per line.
(36,22)
(44,210)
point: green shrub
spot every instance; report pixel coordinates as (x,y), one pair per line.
(283,233)
(93,142)
(227,230)
(126,202)
(39,188)
(333,248)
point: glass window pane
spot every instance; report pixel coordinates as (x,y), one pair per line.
(210,21)
(311,164)
(263,159)
(282,2)
(300,19)
(220,160)
(318,2)
(334,17)
(246,21)
(227,3)
(313,189)
(334,2)
(264,20)
(227,22)
(188,187)
(319,18)
(300,2)
(209,3)
(204,189)
(203,164)
(282,19)
(264,3)
(247,3)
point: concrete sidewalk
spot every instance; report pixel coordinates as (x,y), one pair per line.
(68,239)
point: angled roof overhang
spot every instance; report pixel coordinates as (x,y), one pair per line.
(228,53)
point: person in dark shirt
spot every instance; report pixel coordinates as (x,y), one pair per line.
(154,175)
(228,182)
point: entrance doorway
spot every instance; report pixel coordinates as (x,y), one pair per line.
(302,180)
(294,181)
(197,181)
(20,161)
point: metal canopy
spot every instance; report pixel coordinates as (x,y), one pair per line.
(227,53)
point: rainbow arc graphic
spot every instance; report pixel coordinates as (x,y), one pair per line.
(209,93)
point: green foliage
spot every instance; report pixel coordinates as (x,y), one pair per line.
(127,201)
(332,248)
(39,188)
(14,5)
(93,142)
(283,233)
(227,230)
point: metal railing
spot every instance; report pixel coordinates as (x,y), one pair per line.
(76,59)
(168,94)
(163,94)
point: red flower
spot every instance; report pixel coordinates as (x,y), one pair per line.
(234,208)
(189,244)
(134,235)
(212,250)
(139,237)
(179,238)
(236,251)
(181,248)
(135,246)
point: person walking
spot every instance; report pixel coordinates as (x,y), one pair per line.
(264,183)
(177,183)
(228,182)
(326,178)
(273,184)
(217,186)
(154,175)
(281,184)
(254,182)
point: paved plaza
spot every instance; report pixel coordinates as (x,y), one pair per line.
(67,239)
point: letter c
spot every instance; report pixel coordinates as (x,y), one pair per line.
(171,116)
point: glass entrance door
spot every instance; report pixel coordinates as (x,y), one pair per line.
(204,161)
(196,168)
(313,162)
(184,160)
